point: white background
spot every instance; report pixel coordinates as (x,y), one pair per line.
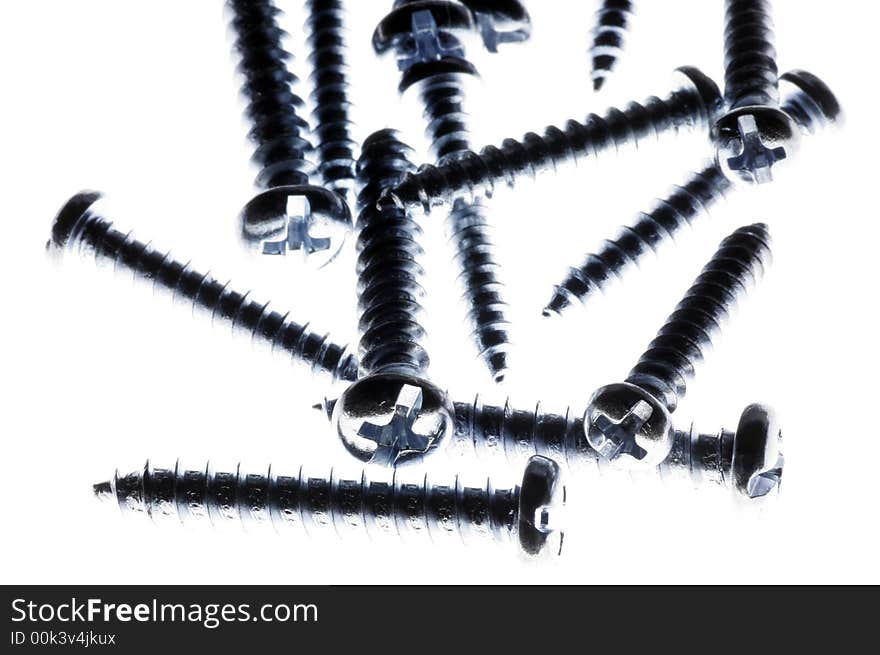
(139,100)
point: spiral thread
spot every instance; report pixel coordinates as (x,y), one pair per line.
(442,95)
(389,288)
(470,175)
(670,360)
(310,505)
(335,151)
(751,77)
(278,133)
(257,319)
(679,209)
(609,34)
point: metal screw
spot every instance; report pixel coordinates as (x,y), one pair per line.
(630,422)
(748,460)
(609,33)
(694,103)
(755,135)
(394,414)
(332,126)
(431,58)
(523,514)
(80,228)
(290,214)
(806,98)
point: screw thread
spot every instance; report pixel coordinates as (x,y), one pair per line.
(700,457)
(751,77)
(471,175)
(93,233)
(312,504)
(609,34)
(389,289)
(504,433)
(278,132)
(686,203)
(332,125)
(669,361)
(442,95)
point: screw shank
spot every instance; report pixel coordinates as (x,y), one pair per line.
(671,358)
(88,232)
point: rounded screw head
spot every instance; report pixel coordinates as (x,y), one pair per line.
(798,84)
(753,143)
(70,218)
(757,460)
(691,78)
(396,27)
(541,504)
(310,219)
(628,426)
(392,419)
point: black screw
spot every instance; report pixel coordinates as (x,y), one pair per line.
(79,227)
(346,505)
(630,421)
(806,98)
(693,104)
(747,460)
(394,414)
(609,33)
(271,222)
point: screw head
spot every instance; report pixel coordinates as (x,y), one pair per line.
(310,219)
(396,28)
(541,504)
(690,78)
(753,143)
(393,419)
(628,426)
(70,218)
(757,462)
(810,99)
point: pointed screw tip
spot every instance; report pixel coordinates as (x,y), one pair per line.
(103,491)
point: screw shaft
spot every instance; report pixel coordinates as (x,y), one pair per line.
(91,233)
(389,289)
(505,433)
(278,132)
(750,76)
(811,109)
(609,33)
(331,503)
(684,205)
(332,124)
(470,174)
(670,360)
